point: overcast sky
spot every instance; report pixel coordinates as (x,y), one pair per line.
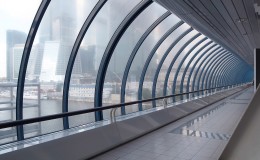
(17,15)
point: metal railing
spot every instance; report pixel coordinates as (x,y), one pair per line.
(112,113)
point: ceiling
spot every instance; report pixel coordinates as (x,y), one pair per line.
(234,24)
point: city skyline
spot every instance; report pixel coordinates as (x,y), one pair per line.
(23,16)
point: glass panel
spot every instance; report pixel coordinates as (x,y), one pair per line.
(48,61)
(12,40)
(123,51)
(82,85)
(186,61)
(160,53)
(139,61)
(203,54)
(168,60)
(207,72)
(201,68)
(149,77)
(179,58)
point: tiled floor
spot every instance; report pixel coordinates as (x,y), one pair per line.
(200,136)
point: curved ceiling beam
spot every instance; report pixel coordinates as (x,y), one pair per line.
(211,72)
(134,52)
(216,55)
(109,52)
(206,54)
(227,71)
(174,60)
(223,75)
(24,63)
(182,61)
(204,63)
(194,64)
(211,66)
(158,69)
(73,56)
(219,73)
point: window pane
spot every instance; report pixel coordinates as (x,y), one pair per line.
(12,40)
(187,60)
(149,77)
(203,54)
(204,62)
(48,61)
(82,85)
(138,64)
(161,52)
(123,51)
(168,60)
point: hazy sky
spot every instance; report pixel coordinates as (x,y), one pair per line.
(17,15)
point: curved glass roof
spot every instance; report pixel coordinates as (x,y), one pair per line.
(68,55)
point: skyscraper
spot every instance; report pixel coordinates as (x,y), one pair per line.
(13,37)
(17,53)
(59,26)
(34,64)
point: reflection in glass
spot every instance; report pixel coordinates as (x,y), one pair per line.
(123,51)
(83,79)
(48,60)
(16,18)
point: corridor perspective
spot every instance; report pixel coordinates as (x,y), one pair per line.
(129,79)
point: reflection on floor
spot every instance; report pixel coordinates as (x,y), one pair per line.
(200,136)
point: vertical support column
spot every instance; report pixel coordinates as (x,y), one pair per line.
(256,68)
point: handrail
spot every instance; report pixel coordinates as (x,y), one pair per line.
(73,113)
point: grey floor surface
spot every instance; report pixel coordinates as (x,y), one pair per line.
(199,136)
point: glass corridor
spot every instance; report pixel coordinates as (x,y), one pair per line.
(67,55)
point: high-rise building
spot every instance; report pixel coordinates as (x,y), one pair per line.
(13,37)
(34,65)
(59,25)
(35,62)
(17,53)
(87,59)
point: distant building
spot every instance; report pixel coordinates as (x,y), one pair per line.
(34,65)
(13,38)
(17,53)
(78,92)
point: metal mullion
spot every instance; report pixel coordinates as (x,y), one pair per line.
(134,52)
(214,68)
(73,56)
(24,63)
(182,61)
(220,73)
(109,52)
(158,69)
(207,54)
(174,60)
(207,64)
(188,65)
(210,67)
(230,76)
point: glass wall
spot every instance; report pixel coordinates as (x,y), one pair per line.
(82,85)
(184,64)
(121,55)
(156,55)
(169,43)
(15,24)
(201,66)
(49,57)
(195,63)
